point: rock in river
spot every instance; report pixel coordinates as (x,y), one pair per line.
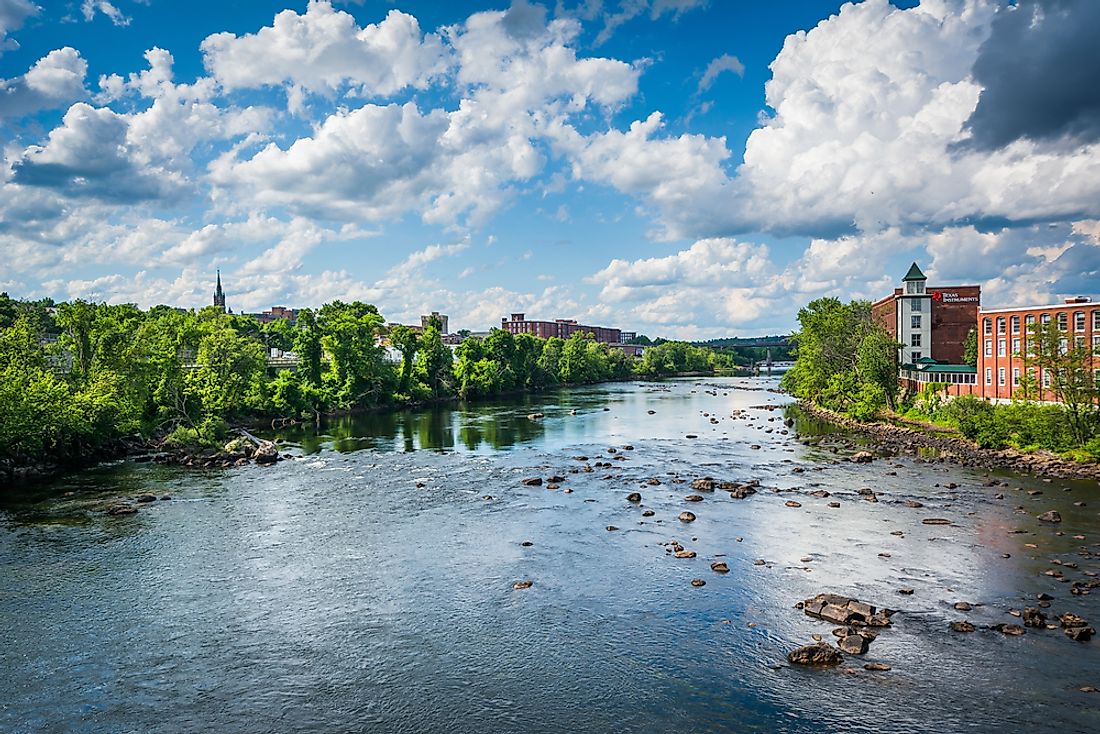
(719,567)
(698,582)
(820,654)
(533,482)
(121,509)
(962,626)
(686,516)
(525,584)
(634,497)
(1051,516)
(853,644)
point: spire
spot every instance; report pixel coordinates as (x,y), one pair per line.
(914,274)
(219,295)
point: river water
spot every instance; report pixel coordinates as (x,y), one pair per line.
(367,585)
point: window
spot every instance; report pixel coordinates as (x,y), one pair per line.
(1046,378)
(1079,321)
(1015,322)
(914,356)
(1096,320)
(916,321)
(914,340)
(917,305)
(1063,322)
(989,375)
(989,347)
(1096,343)
(987,327)
(1001,351)
(1015,376)
(1063,346)
(1079,342)
(1001,376)
(1016,345)
(1029,319)
(1045,318)
(1001,325)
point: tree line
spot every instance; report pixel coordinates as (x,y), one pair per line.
(76,377)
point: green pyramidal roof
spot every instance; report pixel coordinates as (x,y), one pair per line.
(914,273)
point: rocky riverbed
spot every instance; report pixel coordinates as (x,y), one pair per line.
(592,570)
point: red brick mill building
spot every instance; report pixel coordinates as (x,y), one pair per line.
(931,323)
(560,328)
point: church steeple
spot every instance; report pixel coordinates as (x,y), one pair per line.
(219,295)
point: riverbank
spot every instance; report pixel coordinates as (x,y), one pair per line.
(917,439)
(231,452)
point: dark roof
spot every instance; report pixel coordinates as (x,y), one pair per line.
(914,273)
(941,368)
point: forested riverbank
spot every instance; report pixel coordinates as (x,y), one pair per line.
(81,381)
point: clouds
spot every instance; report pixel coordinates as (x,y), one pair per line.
(325,51)
(12,15)
(724,63)
(452,167)
(917,133)
(53,81)
(88,156)
(1039,73)
(90,8)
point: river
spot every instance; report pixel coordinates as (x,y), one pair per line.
(367,584)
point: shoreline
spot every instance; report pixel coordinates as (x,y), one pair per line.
(955,449)
(14,472)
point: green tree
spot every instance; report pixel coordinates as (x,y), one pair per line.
(307,345)
(435,363)
(876,364)
(406,341)
(970,348)
(1067,368)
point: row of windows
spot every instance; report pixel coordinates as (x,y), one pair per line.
(1016,376)
(1013,323)
(1002,345)
(952,378)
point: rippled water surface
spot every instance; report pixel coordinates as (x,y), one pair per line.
(366,585)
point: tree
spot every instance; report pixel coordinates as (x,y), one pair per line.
(434,365)
(358,374)
(1068,369)
(970,348)
(307,345)
(407,342)
(876,364)
(277,334)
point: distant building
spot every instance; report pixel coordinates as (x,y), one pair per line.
(560,328)
(929,322)
(277,312)
(631,350)
(219,294)
(443,321)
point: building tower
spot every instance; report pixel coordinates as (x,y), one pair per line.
(219,295)
(914,318)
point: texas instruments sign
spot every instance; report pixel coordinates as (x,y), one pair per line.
(953,297)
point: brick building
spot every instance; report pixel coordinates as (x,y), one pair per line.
(930,322)
(278,312)
(561,328)
(1003,335)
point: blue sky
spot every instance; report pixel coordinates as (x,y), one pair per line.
(686,168)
